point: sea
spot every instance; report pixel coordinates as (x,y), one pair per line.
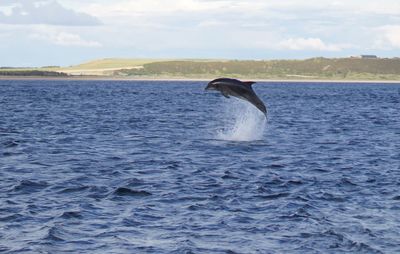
(166,167)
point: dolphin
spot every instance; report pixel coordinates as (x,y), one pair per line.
(240,89)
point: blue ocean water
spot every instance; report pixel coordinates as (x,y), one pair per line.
(165,167)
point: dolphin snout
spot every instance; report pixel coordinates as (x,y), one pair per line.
(210,86)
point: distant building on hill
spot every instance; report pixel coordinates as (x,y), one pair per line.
(365,56)
(369,56)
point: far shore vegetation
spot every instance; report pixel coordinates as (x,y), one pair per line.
(351,68)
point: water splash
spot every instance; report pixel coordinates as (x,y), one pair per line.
(246,122)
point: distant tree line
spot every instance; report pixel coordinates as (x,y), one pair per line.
(315,67)
(32,73)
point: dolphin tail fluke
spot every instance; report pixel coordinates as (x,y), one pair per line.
(263,109)
(253,99)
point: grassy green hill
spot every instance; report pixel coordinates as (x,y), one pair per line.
(314,68)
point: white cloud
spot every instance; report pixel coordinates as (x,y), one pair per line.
(148,7)
(43,12)
(211,23)
(6,10)
(383,7)
(62,38)
(389,36)
(309,44)
(290,24)
(200,28)
(247,7)
(68,39)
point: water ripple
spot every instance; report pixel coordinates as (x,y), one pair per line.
(162,167)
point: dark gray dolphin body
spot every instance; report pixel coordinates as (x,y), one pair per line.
(242,90)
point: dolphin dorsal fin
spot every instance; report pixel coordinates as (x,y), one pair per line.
(248,83)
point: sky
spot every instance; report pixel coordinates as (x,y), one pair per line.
(68,32)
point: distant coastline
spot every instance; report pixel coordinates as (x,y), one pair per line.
(352,69)
(183,79)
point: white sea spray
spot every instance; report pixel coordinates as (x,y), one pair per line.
(241,120)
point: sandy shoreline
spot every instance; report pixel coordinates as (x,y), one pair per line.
(101,78)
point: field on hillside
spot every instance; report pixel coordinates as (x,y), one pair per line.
(112,63)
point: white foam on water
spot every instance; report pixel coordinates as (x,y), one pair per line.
(244,121)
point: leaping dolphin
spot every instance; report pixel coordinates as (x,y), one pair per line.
(239,89)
